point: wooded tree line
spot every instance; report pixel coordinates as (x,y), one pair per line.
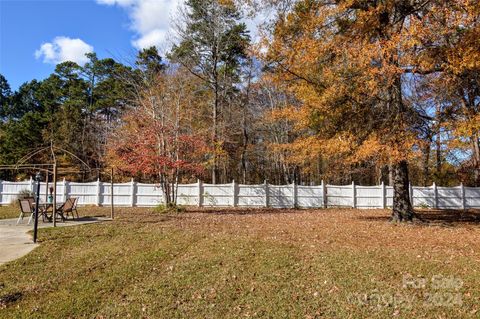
(362,90)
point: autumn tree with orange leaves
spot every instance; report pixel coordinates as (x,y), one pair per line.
(349,64)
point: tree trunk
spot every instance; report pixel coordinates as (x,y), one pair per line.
(216,105)
(215,137)
(384,175)
(402,207)
(426,163)
(390,175)
(438,155)
(244,149)
(438,142)
(243,157)
(476,160)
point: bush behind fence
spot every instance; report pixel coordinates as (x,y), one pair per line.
(262,195)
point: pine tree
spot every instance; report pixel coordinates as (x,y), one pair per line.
(212,46)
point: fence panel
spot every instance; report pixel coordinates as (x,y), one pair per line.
(11,190)
(310,196)
(339,196)
(472,197)
(217,195)
(277,196)
(121,192)
(423,197)
(389,196)
(188,194)
(449,197)
(281,196)
(251,195)
(369,196)
(148,195)
(86,192)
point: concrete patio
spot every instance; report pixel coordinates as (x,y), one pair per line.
(15,241)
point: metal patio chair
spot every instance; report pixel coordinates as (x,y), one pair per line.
(66,209)
(74,208)
(26,207)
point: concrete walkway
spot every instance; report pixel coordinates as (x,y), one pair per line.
(16,243)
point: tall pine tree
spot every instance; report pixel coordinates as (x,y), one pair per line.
(213,43)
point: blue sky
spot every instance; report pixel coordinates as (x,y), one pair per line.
(34,35)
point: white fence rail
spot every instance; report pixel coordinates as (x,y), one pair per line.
(262,195)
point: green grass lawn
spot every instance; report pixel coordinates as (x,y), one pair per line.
(248,264)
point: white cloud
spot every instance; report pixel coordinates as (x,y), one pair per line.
(155,37)
(114,2)
(150,19)
(63,49)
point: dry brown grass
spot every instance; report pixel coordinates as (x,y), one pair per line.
(334,228)
(233,263)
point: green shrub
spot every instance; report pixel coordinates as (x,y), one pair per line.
(24,193)
(424,206)
(169,208)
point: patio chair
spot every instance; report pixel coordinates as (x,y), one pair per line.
(74,208)
(31,200)
(65,209)
(26,207)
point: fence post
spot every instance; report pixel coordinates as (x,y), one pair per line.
(68,189)
(435,195)
(462,189)
(234,194)
(267,199)
(200,193)
(1,192)
(132,193)
(64,190)
(295,194)
(324,195)
(99,186)
(384,195)
(32,189)
(354,195)
(410,193)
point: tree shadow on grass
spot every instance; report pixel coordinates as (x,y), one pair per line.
(8,299)
(85,219)
(447,217)
(152,217)
(247,211)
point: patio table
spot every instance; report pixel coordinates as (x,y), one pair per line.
(44,208)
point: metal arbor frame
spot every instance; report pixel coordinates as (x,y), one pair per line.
(50,168)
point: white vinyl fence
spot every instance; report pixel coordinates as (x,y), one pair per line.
(262,195)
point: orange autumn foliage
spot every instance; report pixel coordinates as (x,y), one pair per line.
(347,63)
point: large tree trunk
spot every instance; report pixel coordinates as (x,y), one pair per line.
(402,207)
